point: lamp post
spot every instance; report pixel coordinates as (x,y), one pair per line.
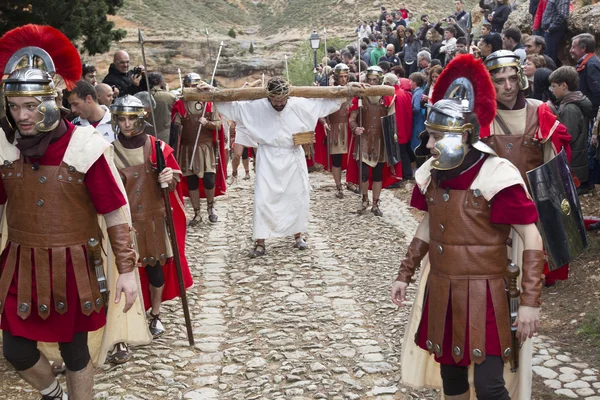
(315,42)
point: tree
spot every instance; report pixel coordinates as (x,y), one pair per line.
(83,22)
(251,49)
(232,33)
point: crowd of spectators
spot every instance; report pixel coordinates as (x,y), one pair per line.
(416,51)
(413,52)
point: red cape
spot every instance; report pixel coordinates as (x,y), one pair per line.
(404,119)
(171,288)
(321,148)
(221,178)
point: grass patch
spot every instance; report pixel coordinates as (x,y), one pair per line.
(590,328)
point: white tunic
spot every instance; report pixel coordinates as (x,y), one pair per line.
(281,192)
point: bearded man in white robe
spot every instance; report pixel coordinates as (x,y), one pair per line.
(282,189)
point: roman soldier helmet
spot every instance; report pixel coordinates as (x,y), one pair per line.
(505,58)
(128,105)
(375,71)
(463,100)
(341,69)
(190,79)
(39,46)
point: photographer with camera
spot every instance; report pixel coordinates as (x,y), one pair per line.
(121,78)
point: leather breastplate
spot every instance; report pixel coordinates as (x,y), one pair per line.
(48,207)
(189,128)
(468,255)
(372,142)
(521,150)
(49,213)
(148,211)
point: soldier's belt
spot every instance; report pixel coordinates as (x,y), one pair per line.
(303,138)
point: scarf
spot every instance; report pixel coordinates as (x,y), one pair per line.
(35,146)
(583,62)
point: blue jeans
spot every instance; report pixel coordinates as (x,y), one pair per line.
(553,42)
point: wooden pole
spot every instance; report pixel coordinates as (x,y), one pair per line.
(308,92)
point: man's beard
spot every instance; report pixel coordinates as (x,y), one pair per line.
(279,108)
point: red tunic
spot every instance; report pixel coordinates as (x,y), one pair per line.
(106,196)
(171,287)
(509,206)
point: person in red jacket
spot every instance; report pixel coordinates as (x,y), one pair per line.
(403,104)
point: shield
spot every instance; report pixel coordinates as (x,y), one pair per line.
(390,139)
(560,219)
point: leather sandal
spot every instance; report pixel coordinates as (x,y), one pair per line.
(212,217)
(156,326)
(364,205)
(247,176)
(259,250)
(300,243)
(339,192)
(121,354)
(375,209)
(233,178)
(196,220)
(352,187)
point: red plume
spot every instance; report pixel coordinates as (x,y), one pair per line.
(65,56)
(466,66)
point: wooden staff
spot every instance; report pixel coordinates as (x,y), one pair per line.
(161,165)
(308,92)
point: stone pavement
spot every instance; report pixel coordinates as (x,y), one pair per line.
(314,324)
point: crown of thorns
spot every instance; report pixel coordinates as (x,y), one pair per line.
(278,86)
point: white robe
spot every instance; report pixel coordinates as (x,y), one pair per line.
(281,192)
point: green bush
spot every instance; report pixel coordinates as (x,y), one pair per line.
(301,64)
(232,33)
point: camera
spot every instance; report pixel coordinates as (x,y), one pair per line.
(137,71)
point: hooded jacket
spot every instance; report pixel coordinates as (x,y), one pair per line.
(575,111)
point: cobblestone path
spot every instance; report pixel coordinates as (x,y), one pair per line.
(314,324)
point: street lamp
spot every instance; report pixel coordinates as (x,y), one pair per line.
(315,42)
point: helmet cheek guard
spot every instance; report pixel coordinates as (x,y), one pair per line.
(51,113)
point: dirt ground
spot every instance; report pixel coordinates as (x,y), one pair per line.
(571,308)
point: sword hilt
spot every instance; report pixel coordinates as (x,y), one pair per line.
(513,272)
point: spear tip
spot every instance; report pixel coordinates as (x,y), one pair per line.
(222,42)
(140,35)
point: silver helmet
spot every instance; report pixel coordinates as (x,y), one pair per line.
(506,58)
(127,105)
(191,79)
(31,81)
(377,72)
(462,109)
(32,56)
(341,69)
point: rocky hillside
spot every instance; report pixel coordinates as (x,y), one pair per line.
(175,32)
